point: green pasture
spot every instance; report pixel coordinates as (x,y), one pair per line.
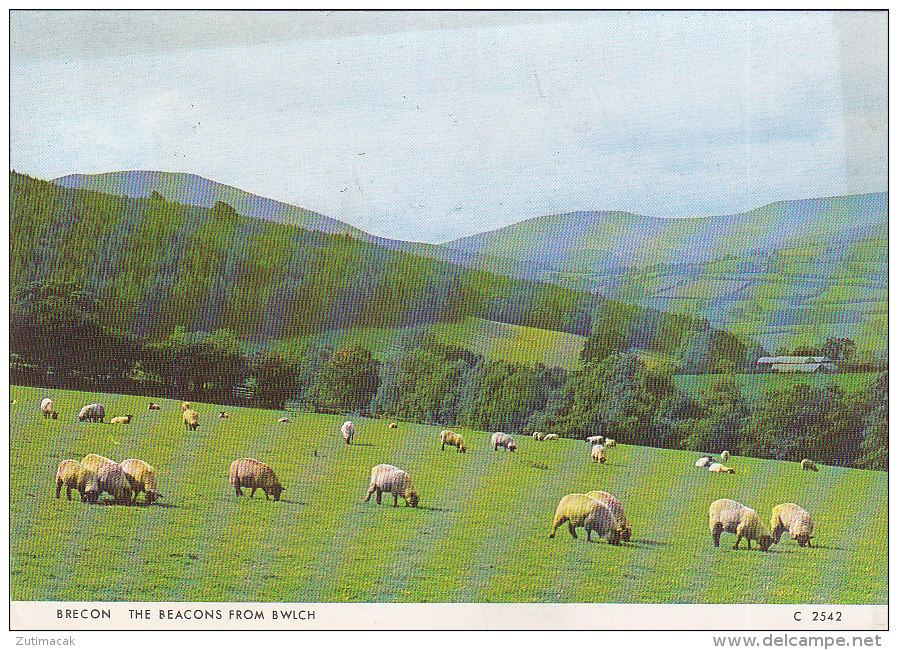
(757,385)
(480,535)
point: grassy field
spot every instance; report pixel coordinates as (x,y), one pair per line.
(757,385)
(480,534)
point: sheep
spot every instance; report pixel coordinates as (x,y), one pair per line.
(580,510)
(142,477)
(610,442)
(550,436)
(794,519)
(595,440)
(718,467)
(348,430)
(185,406)
(154,407)
(94,462)
(616,508)
(726,515)
(191,419)
(92,412)
(48,409)
(387,478)
(222,415)
(453,440)
(393,425)
(500,439)
(538,435)
(704,461)
(724,456)
(284,420)
(75,476)
(113,480)
(254,474)
(808,466)
(598,454)
(122,419)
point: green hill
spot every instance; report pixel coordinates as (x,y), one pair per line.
(480,534)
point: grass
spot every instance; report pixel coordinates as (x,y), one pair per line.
(757,385)
(480,535)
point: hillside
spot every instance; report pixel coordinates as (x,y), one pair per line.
(479,535)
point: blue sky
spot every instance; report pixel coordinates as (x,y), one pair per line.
(430,127)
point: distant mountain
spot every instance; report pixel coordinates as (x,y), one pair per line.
(596,241)
(190,189)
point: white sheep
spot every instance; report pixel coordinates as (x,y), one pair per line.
(598,453)
(500,439)
(720,468)
(48,409)
(808,465)
(704,461)
(596,440)
(580,510)
(724,456)
(611,442)
(122,419)
(726,515)
(616,508)
(391,479)
(348,430)
(92,412)
(191,419)
(453,440)
(393,425)
(794,519)
(284,420)
(154,407)
(222,415)
(550,436)
(538,435)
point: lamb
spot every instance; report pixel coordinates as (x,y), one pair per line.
(580,510)
(48,409)
(254,474)
(142,477)
(348,430)
(724,456)
(191,419)
(453,440)
(94,462)
(598,453)
(616,508)
(794,519)
(718,467)
(284,420)
(113,480)
(726,515)
(704,461)
(611,442)
(92,412)
(550,436)
(154,407)
(596,440)
(808,466)
(75,476)
(500,439)
(387,478)
(122,419)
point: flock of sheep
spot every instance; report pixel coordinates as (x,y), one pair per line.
(597,512)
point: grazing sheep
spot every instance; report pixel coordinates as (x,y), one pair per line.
(550,436)
(92,412)
(222,415)
(142,477)
(254,474)
(538,435)
(154,407)
(616,508)
(48,409)
(610,442)
(500,439)
(393,425)
(122,419)
(390,479)
(794,519)
(724,456)
(185,406)
(580,510)
(113,480)
(704,461)
(598,453)
(94,462)
(75,476)
(191,419)
(726,515)
(718,467)
(596,440)
(808,466)
(348,430)
(453,440)
(284,420)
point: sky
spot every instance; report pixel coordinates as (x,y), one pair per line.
(433,126)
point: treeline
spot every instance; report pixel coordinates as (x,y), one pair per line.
(153,266)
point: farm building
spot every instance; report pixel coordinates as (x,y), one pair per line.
(796,364)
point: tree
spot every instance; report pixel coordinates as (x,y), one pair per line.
(347,381)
